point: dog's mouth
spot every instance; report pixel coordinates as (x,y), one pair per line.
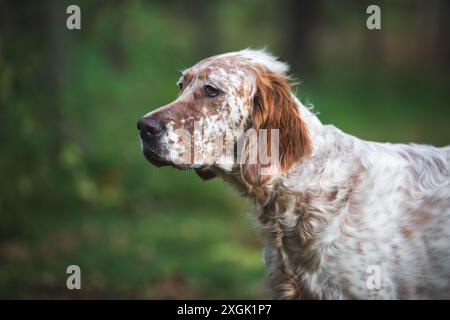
(153,156)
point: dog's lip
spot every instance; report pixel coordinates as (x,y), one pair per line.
(153,157)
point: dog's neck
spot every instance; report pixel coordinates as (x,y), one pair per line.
(262,194)
(316,130)
(328,143)
(312,121)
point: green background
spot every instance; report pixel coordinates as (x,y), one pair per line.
(75,188)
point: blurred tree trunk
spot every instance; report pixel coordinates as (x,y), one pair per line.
(2,61)
(34,31)
(56,37)
(33,48)
(443,32)
(207,35)
(298,21)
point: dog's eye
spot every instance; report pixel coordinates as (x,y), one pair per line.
(211,91)
(180,85)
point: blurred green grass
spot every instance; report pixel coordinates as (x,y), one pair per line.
(382,105)
(162,254)
(75,188)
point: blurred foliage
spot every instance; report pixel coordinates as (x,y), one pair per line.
(75,188)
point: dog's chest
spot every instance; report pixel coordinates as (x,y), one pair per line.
(293,253)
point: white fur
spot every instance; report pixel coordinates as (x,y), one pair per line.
(349,206)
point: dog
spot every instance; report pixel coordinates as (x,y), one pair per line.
(342,218)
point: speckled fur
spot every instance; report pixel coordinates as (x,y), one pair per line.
(346,205)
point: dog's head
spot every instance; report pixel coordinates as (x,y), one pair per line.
(220,99)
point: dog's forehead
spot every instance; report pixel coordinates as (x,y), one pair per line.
(222,71)
(225,62)
(218,66)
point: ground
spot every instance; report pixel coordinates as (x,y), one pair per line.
(162,254)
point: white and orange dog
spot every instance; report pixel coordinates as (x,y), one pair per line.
(342,218)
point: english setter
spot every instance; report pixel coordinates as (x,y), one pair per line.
(342,218)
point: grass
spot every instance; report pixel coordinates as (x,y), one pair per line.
(165,254)
(204,247)
(195,251)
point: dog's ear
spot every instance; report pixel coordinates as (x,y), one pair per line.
(205,174)
(274,107)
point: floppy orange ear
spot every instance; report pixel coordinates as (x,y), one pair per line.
(274,108)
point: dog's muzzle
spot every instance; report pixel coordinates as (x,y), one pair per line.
(150,130)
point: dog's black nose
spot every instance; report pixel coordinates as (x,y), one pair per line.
(149,126)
